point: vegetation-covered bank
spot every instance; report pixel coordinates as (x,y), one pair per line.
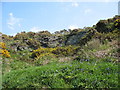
(80,58)
(75,74)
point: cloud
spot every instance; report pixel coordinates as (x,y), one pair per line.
(13,22)
(72,27)
(35,29)
(19,25)
(11,14)
(87,11)
(75,4)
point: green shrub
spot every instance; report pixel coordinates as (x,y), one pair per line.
(31,34)
(103,26)
(21,36)
(65,51)
(6,38)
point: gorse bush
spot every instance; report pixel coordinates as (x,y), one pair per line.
(101,26)
(58,51)
(31,34)
(3,51)
(106,26)
(103,37)
(21,36)
(6,37)
(2,45)
(117,23)
(65,51)
(41,52)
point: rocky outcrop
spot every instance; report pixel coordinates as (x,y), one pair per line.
(51,41)
(80,37)
(18,46)
(31,41)
(73,39)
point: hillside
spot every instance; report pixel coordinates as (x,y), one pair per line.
(79,58)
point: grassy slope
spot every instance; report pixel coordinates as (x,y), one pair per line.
(65,75)
(93,66)
(85,71)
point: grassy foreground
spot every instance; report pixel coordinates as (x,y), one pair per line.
(75,74)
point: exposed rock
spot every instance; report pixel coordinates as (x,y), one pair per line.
(75,38)
(18,46)
(51,41)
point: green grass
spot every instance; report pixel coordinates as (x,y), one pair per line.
(73,74)
(11,64)
(84,70)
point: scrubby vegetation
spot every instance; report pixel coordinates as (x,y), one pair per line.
(80,58)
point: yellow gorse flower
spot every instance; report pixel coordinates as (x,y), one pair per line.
(3,51)
(57,51)
(2,45)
